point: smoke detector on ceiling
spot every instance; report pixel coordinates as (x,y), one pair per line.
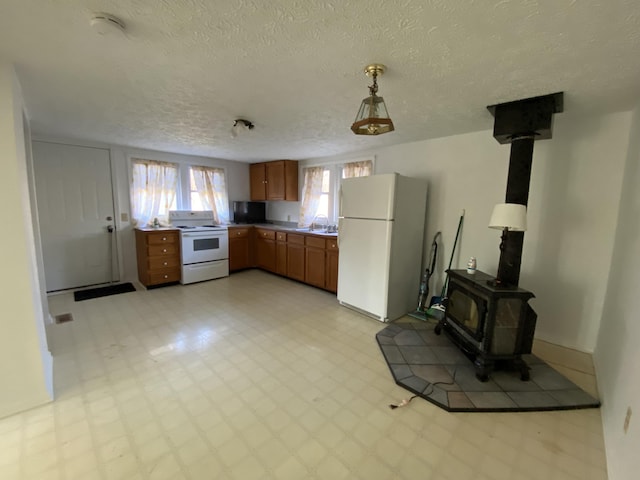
(104,24)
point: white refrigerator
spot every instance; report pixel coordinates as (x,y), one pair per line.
(381,241)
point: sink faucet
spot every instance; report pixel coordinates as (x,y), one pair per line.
(314,222)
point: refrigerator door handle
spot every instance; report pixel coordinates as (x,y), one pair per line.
(340,202)
(340,229)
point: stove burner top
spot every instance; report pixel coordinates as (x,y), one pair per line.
(184,226)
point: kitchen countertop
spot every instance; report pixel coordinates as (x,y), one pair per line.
(283,228)
(159,229)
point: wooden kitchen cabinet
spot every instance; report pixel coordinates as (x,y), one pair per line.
(295,257)
(258,181)
(314,257)
(311,259)
(277,180)
(331,265)
(240,248)
(158,255)
(265,249)
(281,253)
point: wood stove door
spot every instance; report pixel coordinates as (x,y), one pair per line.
(466,310)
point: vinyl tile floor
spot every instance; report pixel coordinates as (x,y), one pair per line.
(258,377)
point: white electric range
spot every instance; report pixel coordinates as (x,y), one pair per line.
(204,247)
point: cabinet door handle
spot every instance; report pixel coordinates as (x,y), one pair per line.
(164,250)
(166,263)
(164,239)
(166,276)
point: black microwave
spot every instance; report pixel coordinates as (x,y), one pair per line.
(249,212)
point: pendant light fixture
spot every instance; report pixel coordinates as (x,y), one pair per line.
(373,118)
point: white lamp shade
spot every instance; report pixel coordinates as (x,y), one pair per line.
(511,216)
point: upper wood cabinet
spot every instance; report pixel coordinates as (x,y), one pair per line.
(276,180)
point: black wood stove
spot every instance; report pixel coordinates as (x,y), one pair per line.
(488,318)
(494,326)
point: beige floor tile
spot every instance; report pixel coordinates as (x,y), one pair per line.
(257,377)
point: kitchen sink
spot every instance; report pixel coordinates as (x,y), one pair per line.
(319,231)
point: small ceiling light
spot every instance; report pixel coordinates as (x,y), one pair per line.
(373,118)
(105,24)
(240,126)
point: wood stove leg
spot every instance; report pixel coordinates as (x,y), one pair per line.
(483,368)
(521,365)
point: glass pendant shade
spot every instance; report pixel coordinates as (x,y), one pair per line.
(372,118)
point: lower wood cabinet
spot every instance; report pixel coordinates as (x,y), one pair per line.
(295,257)
(240,248)
(158,255)
(306,258)
(266,249)
(314,257)
(281,253)
(331,266)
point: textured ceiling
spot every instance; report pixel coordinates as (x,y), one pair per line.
(187,68)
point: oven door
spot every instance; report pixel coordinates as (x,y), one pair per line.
(198,247)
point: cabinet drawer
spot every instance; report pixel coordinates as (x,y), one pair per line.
(281,236)
(268,234)
(158,263)
(158,250)
(238,232)
(165,276)
(161,238)
(315,242)
(297,239)
(332,244)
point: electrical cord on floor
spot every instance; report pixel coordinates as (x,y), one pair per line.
(406,401)
(403,403)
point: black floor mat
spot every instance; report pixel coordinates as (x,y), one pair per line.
(103,291)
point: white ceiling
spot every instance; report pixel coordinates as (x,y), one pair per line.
(187,68)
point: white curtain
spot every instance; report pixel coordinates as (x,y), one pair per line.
(357,169)
(212,189)
(311,193)
(153,191)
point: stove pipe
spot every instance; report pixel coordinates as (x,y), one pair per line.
(521,123)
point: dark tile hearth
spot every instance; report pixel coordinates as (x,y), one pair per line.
(432,367)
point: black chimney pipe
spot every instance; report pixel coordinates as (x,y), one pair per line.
(521,123)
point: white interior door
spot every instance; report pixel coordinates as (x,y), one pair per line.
(75,209)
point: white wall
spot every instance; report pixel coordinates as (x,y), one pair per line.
(26,375)
(617,356)
(237,176)
(573,206)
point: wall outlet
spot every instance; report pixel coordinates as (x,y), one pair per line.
(627,420)
(124,217)
(288,218)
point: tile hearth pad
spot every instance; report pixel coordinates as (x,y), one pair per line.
(432,367)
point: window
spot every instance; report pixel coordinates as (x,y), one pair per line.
(357,169)
(208,191)
(153,190)
(323,208)
(321,186)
